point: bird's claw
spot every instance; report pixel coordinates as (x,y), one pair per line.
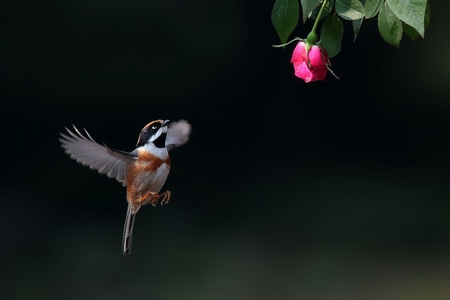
(166,197)
(155,198)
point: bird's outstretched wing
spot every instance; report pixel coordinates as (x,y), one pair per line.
(177,134)
(89,153)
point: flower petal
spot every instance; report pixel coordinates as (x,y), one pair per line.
(309,69)
(320,74)
(302,71)
(298,55)
(315,57)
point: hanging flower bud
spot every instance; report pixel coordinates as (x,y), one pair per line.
(310,62)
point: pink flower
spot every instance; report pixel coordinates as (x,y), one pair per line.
(311,69)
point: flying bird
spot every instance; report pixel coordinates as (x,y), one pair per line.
(142,171)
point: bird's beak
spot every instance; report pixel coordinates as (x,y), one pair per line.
(164,123)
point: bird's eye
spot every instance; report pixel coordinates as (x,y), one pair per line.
(154,127)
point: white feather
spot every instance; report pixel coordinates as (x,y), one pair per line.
(178,134)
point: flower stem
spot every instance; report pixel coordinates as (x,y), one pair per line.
(316,22)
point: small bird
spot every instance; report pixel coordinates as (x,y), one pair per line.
(143,171)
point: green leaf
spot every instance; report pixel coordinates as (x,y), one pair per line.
(372,7)
(411,31)
(356,27)
(326,10)
(350,9)
(331,35)
(285,14)
(308,6)
(413,34)
(427,16)
(412,12)
(390,26)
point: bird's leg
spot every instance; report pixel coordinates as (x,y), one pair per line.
(165,197)
(153,198)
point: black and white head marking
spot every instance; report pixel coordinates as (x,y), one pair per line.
(154,132)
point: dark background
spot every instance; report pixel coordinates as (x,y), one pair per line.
(286,190)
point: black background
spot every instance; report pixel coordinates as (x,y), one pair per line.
(329,190)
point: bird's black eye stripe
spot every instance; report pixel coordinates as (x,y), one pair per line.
(147,132)
(153,128)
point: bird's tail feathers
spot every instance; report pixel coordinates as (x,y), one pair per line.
(128,231)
